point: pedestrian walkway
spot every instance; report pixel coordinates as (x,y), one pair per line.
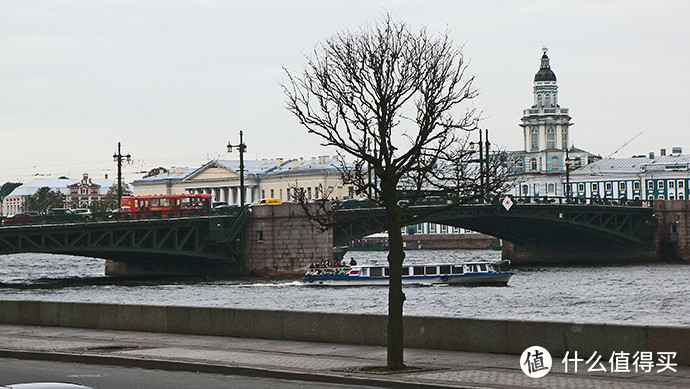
(311,361)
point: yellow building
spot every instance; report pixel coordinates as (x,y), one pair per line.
(274,178)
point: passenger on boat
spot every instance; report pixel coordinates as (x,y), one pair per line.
(353,262)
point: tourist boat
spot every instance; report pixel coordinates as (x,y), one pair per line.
(474,273)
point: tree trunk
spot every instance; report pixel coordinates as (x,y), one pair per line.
(396,297)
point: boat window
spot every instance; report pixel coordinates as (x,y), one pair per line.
(364,272)
(386,271)
(482,267)
(406,271)
(418,270)
(376,271)
(430,270)
(457,269)
(445,269)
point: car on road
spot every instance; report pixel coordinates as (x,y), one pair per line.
(84,212)
(28,217)
(63,215)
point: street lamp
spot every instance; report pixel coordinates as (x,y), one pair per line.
(483,161)
(118,158)
(242,149)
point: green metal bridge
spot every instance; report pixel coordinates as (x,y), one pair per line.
(218,238)
(601,226)
(214,238)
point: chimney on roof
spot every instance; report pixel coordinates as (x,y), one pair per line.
(279,161)
(313,160)
(106,176)
(301,160)
(662,152)
(651,155)
(264,161)
(295,163)
(677,151)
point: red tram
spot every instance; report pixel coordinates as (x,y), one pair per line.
(165,205)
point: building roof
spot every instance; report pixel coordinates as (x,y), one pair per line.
(635,165)
(259,168)
(545,73)
(31,187)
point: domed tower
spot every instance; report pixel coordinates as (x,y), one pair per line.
(545,125)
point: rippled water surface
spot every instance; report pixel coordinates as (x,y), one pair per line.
(635,294)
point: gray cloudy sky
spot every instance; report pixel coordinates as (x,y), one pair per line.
(175,80)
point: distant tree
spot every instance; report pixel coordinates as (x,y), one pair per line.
(389,97)
(7,188)
(44,199)
(109,201)
(156,171)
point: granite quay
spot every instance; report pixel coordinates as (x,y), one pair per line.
(459,334)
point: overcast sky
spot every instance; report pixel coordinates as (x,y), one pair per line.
(174,81)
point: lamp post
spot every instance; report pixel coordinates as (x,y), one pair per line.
(242,148)
(118,158)
(483,161)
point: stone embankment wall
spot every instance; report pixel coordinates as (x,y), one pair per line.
(280,239)
(672,232)
(492,336)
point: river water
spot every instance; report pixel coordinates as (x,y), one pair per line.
(650,294)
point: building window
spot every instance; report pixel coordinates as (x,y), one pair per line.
(636,186)
(681,196)
(621,186)
(681,184)
(351,192)
(660,185)
(671,197)
(554,163)
(533,163)
(650,185)
(548,101)
(550,137)
(595,187)
(525,190)
(608,186)
(287,194)
(263,194)
(534,138)
(581,188)
(309,192)
(444,229)
(432,228)
(316,192)
(519,165)
(551,188)
(564,130)
(272,193)
(259,236)
(671,184)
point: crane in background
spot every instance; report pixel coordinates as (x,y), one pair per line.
(624,144)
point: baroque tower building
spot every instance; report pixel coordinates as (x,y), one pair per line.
(547,150)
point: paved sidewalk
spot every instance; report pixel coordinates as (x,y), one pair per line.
(311,361)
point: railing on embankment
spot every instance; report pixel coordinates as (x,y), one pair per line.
(445,333)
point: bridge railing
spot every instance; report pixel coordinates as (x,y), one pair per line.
(116,216)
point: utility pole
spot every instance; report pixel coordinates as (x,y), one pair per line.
(242,149)
(481,164)
(118,158)
(486,162)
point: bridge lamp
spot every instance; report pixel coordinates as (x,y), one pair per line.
(118,158)
(242,148)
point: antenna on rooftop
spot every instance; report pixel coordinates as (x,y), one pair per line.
(624,144)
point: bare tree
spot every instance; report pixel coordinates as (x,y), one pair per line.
(391,97)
